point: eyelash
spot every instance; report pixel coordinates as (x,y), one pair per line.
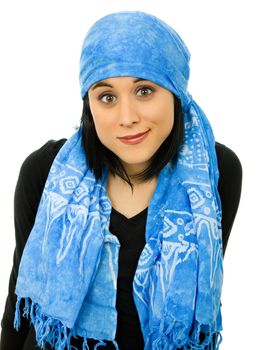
(138,89)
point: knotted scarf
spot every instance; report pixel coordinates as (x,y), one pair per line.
(68,271)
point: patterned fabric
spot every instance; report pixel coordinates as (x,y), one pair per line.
(68,271)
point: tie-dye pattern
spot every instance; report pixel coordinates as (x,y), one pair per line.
(68,271)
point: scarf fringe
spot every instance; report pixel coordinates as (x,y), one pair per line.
(168,340)
(49,330)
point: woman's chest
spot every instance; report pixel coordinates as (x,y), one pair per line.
(130,202)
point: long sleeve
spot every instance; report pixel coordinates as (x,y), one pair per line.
(28,191)
(229,187)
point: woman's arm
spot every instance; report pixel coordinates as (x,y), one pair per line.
(229,186)
(28,192)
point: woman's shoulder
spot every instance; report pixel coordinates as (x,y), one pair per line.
(44,155)
(229,163)
(36,166)
(46,152)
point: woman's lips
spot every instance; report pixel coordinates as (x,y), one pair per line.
(134,139)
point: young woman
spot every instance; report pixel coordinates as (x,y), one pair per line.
(121,230)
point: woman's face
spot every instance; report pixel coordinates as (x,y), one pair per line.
(132,118)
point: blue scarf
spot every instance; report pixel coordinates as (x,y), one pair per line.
(68,271)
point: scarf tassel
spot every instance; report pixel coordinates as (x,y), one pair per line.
(49,330)
(168,340)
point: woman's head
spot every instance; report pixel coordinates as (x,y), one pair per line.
(122,54)
(132,126)
(132,118)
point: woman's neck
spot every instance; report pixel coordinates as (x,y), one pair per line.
(130,201)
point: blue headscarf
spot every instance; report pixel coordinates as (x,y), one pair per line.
(131,43)
(68,271)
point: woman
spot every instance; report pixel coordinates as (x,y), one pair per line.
(134,211)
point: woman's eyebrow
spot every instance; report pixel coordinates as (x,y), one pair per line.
(102,83)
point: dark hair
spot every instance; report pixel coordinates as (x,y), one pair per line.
(99,156)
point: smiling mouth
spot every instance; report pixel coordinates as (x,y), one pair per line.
(128,137)
(134,139)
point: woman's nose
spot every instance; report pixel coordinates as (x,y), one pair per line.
(127,113)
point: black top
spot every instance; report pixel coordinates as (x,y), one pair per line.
(130,232)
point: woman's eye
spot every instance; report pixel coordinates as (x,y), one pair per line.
(145,91)
(108,98)
(141,92)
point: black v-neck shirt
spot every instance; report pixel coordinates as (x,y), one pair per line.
(131,235)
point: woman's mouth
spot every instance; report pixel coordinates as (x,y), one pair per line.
(134,139)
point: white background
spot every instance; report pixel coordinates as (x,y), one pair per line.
(40,99)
